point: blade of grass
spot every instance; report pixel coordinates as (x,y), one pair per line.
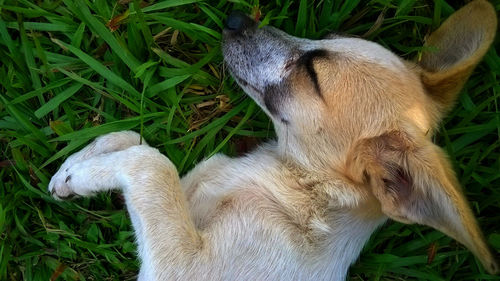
(57,100)
(99,68)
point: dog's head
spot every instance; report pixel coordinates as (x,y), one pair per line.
(353,107)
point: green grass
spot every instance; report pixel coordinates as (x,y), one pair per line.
(67,77)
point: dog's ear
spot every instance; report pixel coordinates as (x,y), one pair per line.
(414,183)
(454,49)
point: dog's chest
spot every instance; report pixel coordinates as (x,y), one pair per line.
(209,186)
(207,202)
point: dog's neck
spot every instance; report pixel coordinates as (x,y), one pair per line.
(325,155)
(336,218)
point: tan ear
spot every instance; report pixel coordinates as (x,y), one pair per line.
(455,49)
(414,183)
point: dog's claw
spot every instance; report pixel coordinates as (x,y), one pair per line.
(67,197)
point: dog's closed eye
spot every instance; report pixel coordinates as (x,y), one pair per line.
(306,60)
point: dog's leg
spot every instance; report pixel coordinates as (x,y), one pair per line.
(165,231)
(104,144)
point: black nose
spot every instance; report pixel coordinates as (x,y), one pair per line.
(237,21)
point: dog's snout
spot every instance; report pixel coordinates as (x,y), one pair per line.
(238,21)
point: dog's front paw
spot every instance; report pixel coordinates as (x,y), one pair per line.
(69,181)
(87,177)
(78,180)
(58,186)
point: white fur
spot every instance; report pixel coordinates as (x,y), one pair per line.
(365,51)
(236,244)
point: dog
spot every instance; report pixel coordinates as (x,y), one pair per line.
(354,124)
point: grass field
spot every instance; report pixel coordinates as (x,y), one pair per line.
(74,70)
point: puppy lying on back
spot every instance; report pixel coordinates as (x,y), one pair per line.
(354,125)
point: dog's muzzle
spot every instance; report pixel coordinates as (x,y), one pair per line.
(256,58)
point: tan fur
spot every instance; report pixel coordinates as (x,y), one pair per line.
(443,81)
(350,153)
